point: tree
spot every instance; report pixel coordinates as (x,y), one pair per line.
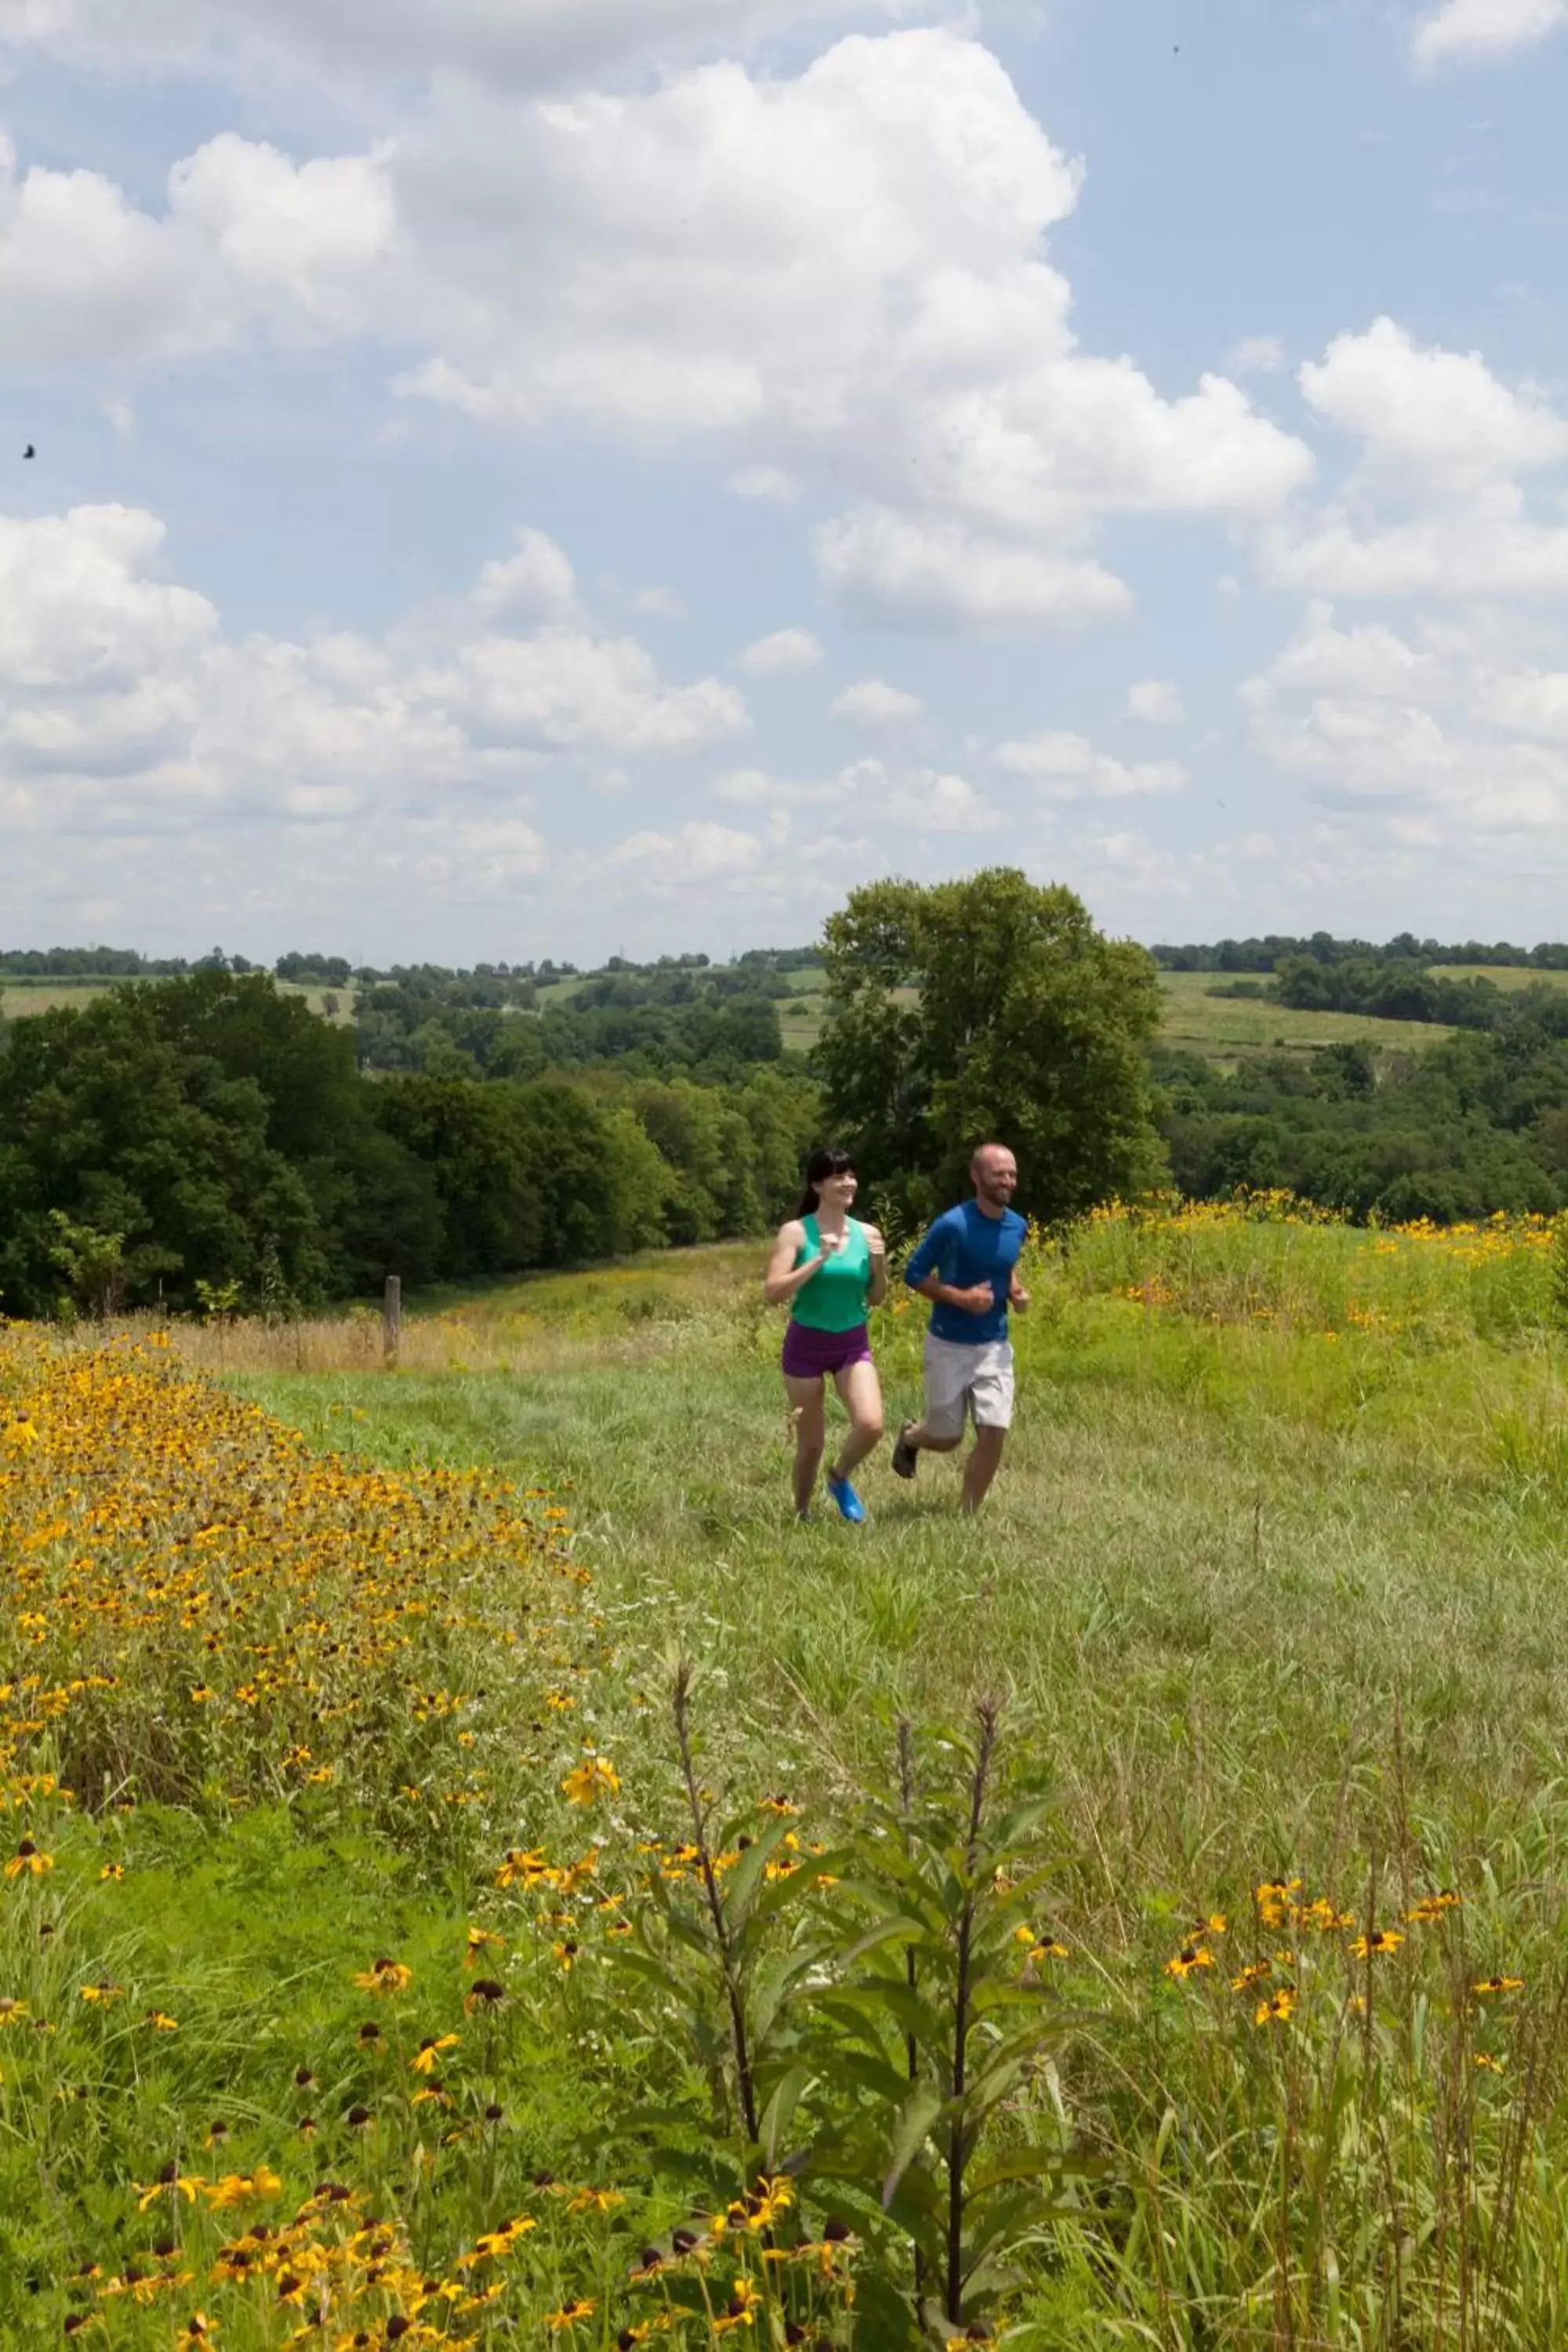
(128,1129)
(988,1008)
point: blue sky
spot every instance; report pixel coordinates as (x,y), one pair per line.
(547,476)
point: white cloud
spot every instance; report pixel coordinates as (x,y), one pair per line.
(868,792)
(246,238)
(765,484)
(1256,356)
(521,43)
(783,654)
(1436,505)
(1430,419)
(1486,28)
(125,711)
(1441,748)
(895,568)
(537,584)
(875,707)
(1067,767)
(1157,701)
(836,279)
(699,856)
(660,603)
(755,788)
(921,800)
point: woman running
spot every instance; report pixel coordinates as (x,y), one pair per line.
(831,1270)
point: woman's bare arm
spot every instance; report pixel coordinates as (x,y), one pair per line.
(784,1277)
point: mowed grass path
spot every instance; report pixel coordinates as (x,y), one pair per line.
(1235,1580)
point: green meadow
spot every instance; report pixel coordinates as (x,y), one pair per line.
(1268,1600)
(1198,1019)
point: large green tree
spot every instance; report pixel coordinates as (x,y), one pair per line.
(988,1008)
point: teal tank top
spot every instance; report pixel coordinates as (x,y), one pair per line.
(835,1297)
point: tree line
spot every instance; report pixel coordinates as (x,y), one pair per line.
(1270,953)
(212,1136)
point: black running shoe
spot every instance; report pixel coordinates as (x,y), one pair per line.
(905,1455)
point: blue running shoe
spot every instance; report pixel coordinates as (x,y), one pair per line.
(851,1507)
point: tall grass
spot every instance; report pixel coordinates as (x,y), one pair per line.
(1271,1584)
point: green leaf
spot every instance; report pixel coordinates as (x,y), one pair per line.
(921,2109)
(874,2074)
(907,2010)
(776,2116)
(899,1929)
(1033,2164)
(737,1887)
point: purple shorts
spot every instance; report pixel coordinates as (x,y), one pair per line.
(811,1355)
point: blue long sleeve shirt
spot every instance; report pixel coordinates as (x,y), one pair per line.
(963,1248)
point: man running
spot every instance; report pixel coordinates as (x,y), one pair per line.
(967,1266)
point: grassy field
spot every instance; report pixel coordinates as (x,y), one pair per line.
(1232,1029)
(1502,975)
(1270,1591)
(18,997)
(1222,1029)
(800,1014)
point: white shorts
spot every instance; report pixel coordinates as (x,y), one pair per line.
(958,1378)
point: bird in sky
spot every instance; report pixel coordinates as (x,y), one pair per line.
(29,451)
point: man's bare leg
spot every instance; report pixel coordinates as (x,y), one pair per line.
(984,1461)
(916,1433)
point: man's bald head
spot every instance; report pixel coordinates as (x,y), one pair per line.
(993,1172)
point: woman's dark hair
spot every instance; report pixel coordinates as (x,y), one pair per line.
(818,1169)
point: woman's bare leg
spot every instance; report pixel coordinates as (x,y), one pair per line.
(810,1436)
(861,1394)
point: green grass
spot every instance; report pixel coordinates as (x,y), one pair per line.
(18,997)
(1511,976)
(1264,1602)
(1220,1029)
(1232,1029)
(1271,1585)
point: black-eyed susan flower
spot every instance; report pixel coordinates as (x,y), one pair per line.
(741,2309)
(1488,1985)
(1190,1956)
(1277,2010)
(485,1992)
(170,2182)
(570,2314)
(384,1976)
(1378,1945)
(427,2057)
(242,2188)
(28,1862)
(595,1777)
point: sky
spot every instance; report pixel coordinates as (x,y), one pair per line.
(525,478)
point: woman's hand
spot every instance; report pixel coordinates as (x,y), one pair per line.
(874,1241)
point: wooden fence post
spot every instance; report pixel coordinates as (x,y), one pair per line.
(391,1320)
